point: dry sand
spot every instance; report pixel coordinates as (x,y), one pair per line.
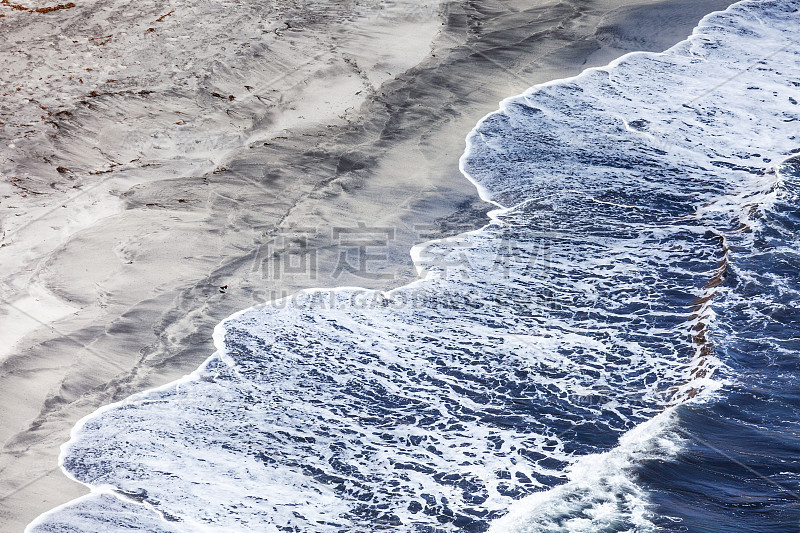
(141,170)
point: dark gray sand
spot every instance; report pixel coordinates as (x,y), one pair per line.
(277,210)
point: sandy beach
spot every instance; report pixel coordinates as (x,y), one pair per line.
(165,165)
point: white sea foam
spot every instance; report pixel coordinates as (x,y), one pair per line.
(601,494)
(535,365)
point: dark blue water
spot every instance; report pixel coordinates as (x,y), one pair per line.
(740,470)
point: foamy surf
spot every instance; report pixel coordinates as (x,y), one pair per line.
(601,493)
(539,362)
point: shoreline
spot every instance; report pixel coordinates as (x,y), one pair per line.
(368,161)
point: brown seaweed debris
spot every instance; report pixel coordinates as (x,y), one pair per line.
(19,7)
(54,8)
(14,6)
(700,331)
(102,40)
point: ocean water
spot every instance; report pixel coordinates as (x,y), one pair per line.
(616,351)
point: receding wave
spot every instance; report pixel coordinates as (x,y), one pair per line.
(536,362)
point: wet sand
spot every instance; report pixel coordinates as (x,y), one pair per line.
(252,168)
